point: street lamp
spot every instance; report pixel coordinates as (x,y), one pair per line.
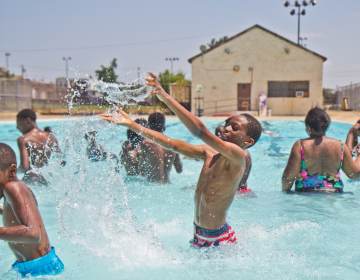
(172,59)
(299,10)
(67,59)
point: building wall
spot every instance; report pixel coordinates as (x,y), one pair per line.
(260,57)
(15,95)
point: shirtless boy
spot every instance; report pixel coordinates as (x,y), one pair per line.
(155,161)
(224,163)
(23,227)
(129,156)
(35,146)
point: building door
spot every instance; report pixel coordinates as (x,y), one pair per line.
(244,95)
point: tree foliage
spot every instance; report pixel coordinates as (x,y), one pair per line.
(213,43)
(329,96)
(166,78)
(107,73)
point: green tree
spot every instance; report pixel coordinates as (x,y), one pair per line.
(213,44)
(329,96)
(107,73)
(166,78)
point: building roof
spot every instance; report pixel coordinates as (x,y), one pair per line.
(264,29)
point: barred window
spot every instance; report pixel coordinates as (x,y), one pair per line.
(288,89)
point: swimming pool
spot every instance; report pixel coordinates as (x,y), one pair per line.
(106,226)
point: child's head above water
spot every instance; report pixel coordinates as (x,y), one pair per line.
(133,137)
(243,130)
(157,121)
(317,122)
(7,163)
(26,120)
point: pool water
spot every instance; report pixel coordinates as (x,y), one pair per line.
(107,226)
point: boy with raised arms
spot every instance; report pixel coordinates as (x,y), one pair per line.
(224,163)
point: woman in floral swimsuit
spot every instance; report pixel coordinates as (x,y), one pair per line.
(315,162)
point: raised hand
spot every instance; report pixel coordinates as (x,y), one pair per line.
(151,80)
(119,117)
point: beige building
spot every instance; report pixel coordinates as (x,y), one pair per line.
(230,76)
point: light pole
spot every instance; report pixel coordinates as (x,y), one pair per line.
(67,59)
(7,54)
(172,59)
(23,70)
(299,10)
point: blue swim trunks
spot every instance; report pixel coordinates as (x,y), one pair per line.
(49,264)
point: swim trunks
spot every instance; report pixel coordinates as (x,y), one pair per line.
(244,189)
(308,182)
(212,237)
(49,264)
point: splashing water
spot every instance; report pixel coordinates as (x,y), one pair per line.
(113,93)
(106,225)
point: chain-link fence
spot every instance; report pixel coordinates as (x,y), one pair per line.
(351,93)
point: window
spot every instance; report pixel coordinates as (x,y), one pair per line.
(288,89)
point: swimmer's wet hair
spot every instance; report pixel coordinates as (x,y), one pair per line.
(254,128)
(134,137)
(48,129)
(7,156)
(26,113)
(157,121)
(318,120)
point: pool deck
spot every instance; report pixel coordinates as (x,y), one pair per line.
(339,116)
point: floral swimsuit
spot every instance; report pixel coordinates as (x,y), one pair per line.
(308,182)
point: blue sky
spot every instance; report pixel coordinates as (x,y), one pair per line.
(141,33)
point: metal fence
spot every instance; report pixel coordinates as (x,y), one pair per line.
(14,103)
(352,93)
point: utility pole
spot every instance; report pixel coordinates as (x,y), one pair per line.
(299,10)
(138,74)
(23,70)
(7,54)
(172,59)
(67,59)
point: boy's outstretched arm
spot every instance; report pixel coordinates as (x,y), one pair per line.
(195,125)
(193,151)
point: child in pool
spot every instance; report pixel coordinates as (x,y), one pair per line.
(243,185)
(131,148)
(352,139)
(155,161)
(224,163)
(23,227)
(35,146)
(314,163)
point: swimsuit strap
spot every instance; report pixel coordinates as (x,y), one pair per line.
(302,155)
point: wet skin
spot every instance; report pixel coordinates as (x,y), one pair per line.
(23,227)
(222,171)
(35,145)
(322,156)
